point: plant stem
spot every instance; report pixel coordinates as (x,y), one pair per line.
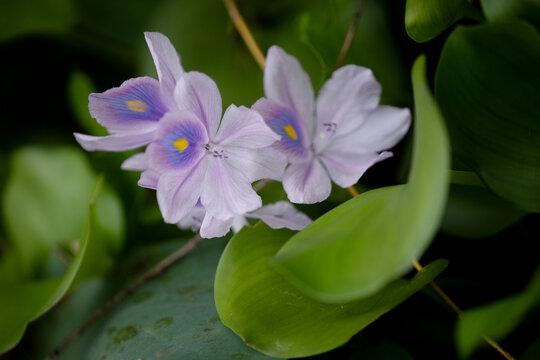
(350,35)
(242,28)
(147,276)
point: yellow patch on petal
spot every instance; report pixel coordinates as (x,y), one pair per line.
(290,131)
(136,105)
(181,144)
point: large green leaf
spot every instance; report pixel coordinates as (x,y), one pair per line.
(46,201)
(425,19)
(496,320)
(488,84)
(475,212)
(272,316)
(23,302)
(360,246)
(507,9)
(171,317)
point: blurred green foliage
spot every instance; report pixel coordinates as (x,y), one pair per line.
(54,52)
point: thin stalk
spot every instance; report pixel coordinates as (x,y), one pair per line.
(350,35)
(121,295)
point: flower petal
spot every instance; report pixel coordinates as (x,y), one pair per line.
(346,168)
(134,106)
(178,142)
(199,94)
(193,219)
(306,182)
(344,102)
(137,162)
(281,215)
(226,192)
(149,179)
(286,82)
(294,141)
(243,127)
(167,63)
(256,164)
(212,227)
(116,142)
(179,191)
(384,128)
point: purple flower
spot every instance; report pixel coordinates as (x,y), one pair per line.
(131,112)
(338,136)
(195,157)
(278,215)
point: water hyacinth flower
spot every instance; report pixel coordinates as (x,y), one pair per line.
(196,157)
(132,111)
(338,136)
(278,215)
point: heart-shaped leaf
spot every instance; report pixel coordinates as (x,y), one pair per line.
(488,85)
(425,19)
(272,316)
(361,245)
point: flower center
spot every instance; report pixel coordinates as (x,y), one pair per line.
(181,144)
(289,130)
(136,105)
(330,128)
(213,150)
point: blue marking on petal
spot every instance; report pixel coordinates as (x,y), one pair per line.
(286,124)
(136,101)
(194,138)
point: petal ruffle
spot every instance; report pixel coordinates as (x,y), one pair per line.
(346,168)
(286,82)
(179,191)
(306,182)
(281,215)
(256,164)
(134,106)
(227,192)
(137,162)
(115,142)
(212,227)
(344,102)
(294,141)
(243,127)
(167,63)
(149,179)
(199,94)
(383,129)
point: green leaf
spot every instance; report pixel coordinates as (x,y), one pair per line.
(532,352)
(37,16)
(496,320)
(272,316)
(46,201)
(361,245)
(425,19)
(475,212)
(79,87)
(23,302)
(487,84)
(171,317)
(496,10)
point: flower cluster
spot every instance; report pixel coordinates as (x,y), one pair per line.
(202,165)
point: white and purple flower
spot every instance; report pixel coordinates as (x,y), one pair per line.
(338,136)
(195,156)
(278,215)
(132,111)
